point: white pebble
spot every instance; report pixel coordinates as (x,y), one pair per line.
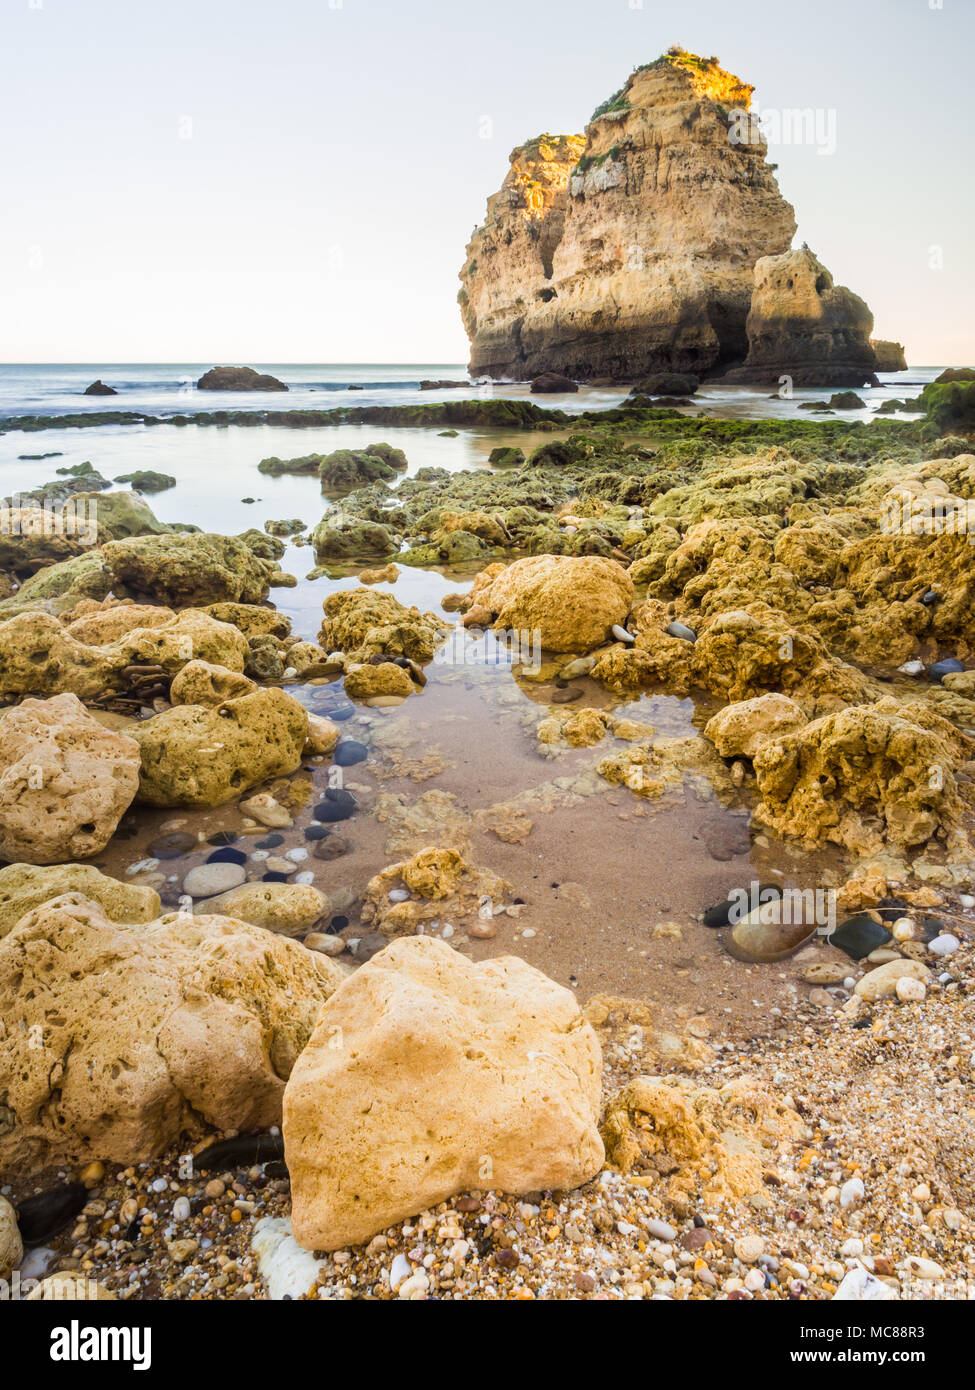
(398,895)
(399,1270)
(259,856)
(944,945)
(181,1209)
(296,855)
(851,1192)
(909,991)
(306,877)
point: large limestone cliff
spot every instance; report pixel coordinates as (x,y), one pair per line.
(631,249)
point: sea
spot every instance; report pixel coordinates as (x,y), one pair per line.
(218,486)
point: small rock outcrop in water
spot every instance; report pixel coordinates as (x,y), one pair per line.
(802,326)
(238,379)
(98,388)
(889,356)
(630,249)
(451,1075)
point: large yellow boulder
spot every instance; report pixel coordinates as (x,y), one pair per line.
(448,1075)
(120,1039)
(741,729)
(200,755)
(571,602)
(65,781)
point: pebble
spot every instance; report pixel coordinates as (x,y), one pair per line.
(181,1209)
(349,752)
(173,845)
(207,880)
(682,630)
(910,991)
(306,876)
(222,837)
(911,668)
(297,856)
(324,943)
(852,1192)
(940,669)
(399,1270)
(661,1230)
(332,848)
(270,841)
(749,1249)
(944,945)
(398,895)
(621,634)
(227,856)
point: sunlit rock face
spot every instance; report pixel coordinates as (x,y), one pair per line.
(632,248)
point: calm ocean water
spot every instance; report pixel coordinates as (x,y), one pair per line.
(218,485)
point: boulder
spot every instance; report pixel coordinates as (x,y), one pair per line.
(450,1075)
(386,678)
(26,886)
(352,540)
(203,683)
(121,1039)
(667,384)
(867,776)
(238,379)
(740,730)
(802,326)
(98,388)
(39,657)
(65,781)
(289,908)
(146,480)
(571,602)
(346,469)
(118,514)
(199,755)
(191,569)
(364,623)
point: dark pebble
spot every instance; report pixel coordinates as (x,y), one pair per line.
(697,1237)
(329,811)
(565,697)
(349,752)
(222,837)
(270,842)
(342,712)
(316,832)
(169,897)
(332,848)
(859,935)
(940,669)
(930,597)
(42,1216)
(274,878)
(338,924)
(369,945)
(172,846)
(242,1150)
(227,856)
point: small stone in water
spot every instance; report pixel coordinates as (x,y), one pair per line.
(270,842)
(173,845)
(940,669)
(227,856)
(349,752)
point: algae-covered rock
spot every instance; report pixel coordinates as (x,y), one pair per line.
(570,602)
(338,541)
(25,886)
(364,623)
(347,469)
(190,570)
(252,619)
(147,480)
(121,514)
(59,587)
(65,781)
(238,379)
(198,755)
(38,657)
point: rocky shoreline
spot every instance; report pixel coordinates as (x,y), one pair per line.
(269,855)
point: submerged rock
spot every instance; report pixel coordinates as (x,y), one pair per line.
(364,623)
(288,908)
(198,1021)
(191,570)
(491,1063)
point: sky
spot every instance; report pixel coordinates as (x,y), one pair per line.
(232,180)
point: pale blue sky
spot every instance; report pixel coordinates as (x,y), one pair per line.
(335,164)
